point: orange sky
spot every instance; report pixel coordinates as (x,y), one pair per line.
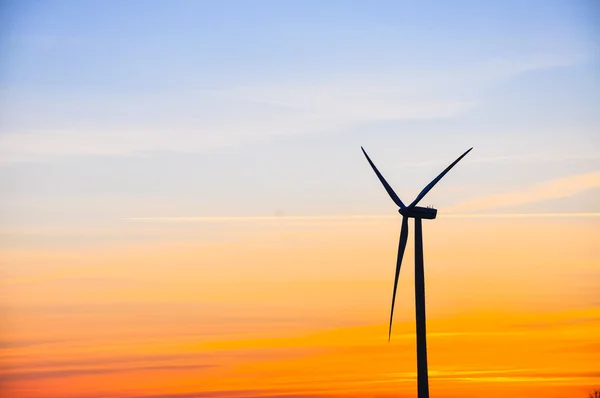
(177,178)
(299,308)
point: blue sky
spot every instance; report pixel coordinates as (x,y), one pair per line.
(110,110)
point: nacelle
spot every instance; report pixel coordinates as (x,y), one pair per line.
(427,213)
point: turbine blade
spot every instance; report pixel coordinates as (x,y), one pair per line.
(387,187)
(435,181)
(401,247)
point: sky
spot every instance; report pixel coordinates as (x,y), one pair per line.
(186,211)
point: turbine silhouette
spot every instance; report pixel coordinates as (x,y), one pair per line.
(418,213)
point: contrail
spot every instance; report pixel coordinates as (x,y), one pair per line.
(188,219)
(522,215)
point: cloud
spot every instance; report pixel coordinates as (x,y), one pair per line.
(27,343)
(536,157)
(523,215)
(193,360)
(555,189)
(205,119)
(258,218)
(349,217)
(192,120)
(112,361)
(228,393)
(541,157)
(204,394)
(564,322)
(62,373)
(504,375)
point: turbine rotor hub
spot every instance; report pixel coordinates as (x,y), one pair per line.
(427,213)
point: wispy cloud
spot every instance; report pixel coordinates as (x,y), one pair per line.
(258,218)
(564,322)
(504,375)
(205,119)
(63,373)
(540,157)
(536,157)
(192,219)
(559,188)
(194,120)
(27,343)
(229,394)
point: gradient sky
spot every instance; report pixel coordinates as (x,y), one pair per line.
(178,180)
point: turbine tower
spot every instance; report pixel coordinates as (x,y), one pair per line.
(418,213)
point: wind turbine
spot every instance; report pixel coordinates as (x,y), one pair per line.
(418,213)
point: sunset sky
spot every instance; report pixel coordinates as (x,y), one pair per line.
(186,211)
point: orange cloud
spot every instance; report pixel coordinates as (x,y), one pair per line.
(555,189)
